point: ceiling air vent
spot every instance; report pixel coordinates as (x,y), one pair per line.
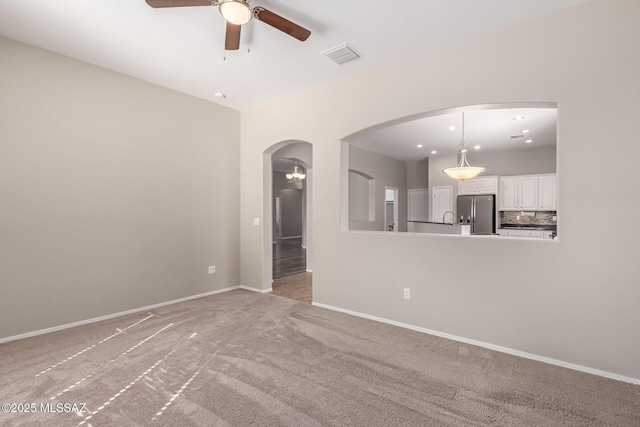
(516,136)
(341,53)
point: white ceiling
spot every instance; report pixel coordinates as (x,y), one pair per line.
(487,128)
(182,48)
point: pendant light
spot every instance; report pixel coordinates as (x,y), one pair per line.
(295,176)
(463,170)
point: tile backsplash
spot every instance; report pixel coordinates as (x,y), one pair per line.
(527,218)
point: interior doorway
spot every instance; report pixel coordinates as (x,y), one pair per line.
(288,200)
(391,209)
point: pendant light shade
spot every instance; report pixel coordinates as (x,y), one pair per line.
(463,170)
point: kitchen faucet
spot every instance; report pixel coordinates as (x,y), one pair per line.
(445,216)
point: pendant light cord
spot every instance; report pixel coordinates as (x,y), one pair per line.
(462,140)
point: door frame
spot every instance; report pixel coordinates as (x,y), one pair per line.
(267,209)
(277,219)
(395,208)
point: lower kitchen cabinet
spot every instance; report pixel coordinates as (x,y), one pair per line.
(509,232)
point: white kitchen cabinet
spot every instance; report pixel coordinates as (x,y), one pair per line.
(547,234)
(484,185)
(547,192)
(528,193)
(510,232)
(523,233)
(508,193)
(519,193)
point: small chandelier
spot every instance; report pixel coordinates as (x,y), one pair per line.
(295,176)
(463,170)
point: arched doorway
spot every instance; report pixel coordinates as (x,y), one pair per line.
(287,207)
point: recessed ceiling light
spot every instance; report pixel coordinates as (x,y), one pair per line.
(434,152)
(419,145)
(477,147)
(525,131)
(518,118)
(219,95)
(452,128)
(529,141)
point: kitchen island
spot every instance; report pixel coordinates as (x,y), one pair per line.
(438,227)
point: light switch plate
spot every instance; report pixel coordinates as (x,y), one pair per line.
(256,221)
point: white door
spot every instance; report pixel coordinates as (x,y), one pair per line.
(418,208)
(442,202)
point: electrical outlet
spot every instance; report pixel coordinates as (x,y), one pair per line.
(256,221)
(212,269)
(407,293)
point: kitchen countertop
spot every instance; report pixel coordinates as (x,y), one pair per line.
(530,227)
(441,223)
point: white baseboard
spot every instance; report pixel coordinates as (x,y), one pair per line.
(262,291)
(499,348)
(309,271)
(111,316)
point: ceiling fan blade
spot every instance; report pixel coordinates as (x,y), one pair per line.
(178,3)
(232,38)
(280,23)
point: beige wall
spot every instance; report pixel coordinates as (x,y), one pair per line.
(386,172)
(516,162)
(114,193)
(574,300)
(418,174)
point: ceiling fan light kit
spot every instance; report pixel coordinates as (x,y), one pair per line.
(463,170)
(236,12)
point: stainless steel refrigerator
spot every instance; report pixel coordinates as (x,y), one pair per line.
(479,211)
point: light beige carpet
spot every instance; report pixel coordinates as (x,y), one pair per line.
(248,359)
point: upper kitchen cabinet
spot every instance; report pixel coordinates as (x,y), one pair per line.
(547,192)
(484,185)
(528,192)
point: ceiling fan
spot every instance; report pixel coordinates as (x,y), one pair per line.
(238,13)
